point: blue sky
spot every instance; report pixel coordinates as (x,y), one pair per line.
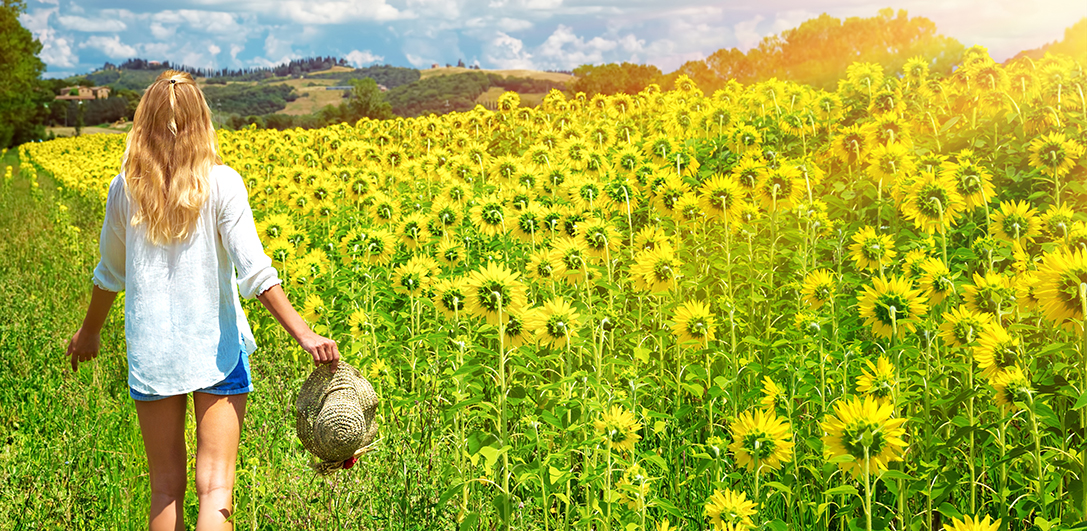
(80,35)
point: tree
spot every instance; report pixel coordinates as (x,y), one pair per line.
(367,101)
(22,101)
(614,78)
(819,51)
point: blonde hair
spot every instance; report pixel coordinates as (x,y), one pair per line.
(169,156)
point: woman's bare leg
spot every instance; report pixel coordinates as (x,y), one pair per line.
(162,423)
(218,430)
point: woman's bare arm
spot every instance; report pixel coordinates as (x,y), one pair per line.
(322,349)
(86,342)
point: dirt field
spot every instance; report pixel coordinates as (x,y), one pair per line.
(70,131)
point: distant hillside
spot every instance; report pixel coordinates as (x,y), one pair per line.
(1073,45)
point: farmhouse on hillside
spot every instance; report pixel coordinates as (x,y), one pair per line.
(83,93)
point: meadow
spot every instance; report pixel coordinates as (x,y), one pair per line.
(769,307)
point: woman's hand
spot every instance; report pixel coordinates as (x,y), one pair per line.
(323,349)
(83,347)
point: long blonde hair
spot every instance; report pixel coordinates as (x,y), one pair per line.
(169,156)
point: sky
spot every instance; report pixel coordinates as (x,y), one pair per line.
(79,36)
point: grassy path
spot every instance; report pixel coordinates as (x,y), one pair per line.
(71,456)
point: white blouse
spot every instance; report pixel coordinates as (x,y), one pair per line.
(184,324)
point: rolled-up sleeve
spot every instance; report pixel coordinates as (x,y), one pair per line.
(109,274)
(239,237)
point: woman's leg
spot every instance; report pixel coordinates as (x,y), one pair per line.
(218,429)
(162,423)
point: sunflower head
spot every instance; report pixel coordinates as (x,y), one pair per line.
(620,427)
(866,431)
(1011,386)
(730,511)
(761,439)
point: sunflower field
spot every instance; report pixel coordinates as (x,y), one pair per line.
(769,307)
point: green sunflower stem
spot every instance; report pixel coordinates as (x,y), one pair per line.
(1083,380)
(970,421)
(867,490)
(502,428)
(1040,479)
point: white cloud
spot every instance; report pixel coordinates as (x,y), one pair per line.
(746,34)
(418,62)
(56,49)
(92,24)
(214,49)
(337,12)
(565,50)
(235,49)
(162,32)
(358,59)
(507,52)
(542,4)
(510,25)
(111,46)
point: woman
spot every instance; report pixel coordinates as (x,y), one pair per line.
(177,224)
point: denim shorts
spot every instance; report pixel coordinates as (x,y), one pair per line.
(239,381)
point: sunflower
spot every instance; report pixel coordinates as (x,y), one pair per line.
(518,332)
(528,224)
(872,251)
(888,163)
(634,488)
(888,304)
(780,188)
(720,198)
(309,268)
(493,287)
(449,253)
(744,138)
(571,260)
(730,511)
(555,323)
(656,270)
(444,217)
(620,196)
(861,427)
(1026,291)
(760,438)
(489,216)
(380,246)
(747,173)
(687,209)
(275,227)
(968,523)
(1057,222)
(600,238)
(450,296)
(972,182)
(990,293)
(620,427)
(850,144)
(773,396)
(962,326)
(995,350)
(936,280)
(878,380)
(1054,155)
(313,309)
(359,323)
(692,323)
(649,237)
(1015,221)
(410,279)
(819,287)
(933,203)
(1062,287)
(412,230)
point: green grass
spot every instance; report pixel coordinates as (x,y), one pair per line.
(71,455)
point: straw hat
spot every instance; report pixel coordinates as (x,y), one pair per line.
(335,415)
